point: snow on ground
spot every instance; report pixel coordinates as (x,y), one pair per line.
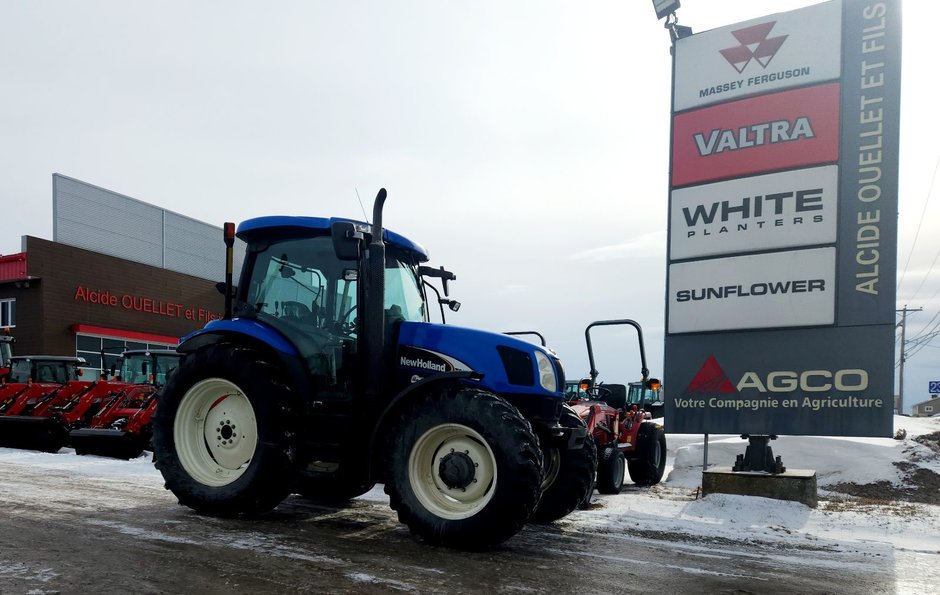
(889,524)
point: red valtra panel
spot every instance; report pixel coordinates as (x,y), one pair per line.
(751,136)
(13,266)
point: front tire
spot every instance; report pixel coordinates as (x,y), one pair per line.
(611,471)
(465,469)
(650,463)
(569,474)
(223,433)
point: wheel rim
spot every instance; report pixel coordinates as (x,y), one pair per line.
(445,492)
(551,464)
(657,455)
(215,431)
(619,464)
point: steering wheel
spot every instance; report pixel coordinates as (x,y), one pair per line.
(345,325)
(294,310)
(601,393)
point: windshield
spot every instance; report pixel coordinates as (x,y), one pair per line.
(301,281)
(57,372)
(403,289)
(146,368)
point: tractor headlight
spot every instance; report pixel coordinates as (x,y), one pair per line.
(546,372)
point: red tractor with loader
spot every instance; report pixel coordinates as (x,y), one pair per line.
(122,428)
(35,383)
(622,421)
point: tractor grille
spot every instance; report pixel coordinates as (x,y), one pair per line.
(518,364)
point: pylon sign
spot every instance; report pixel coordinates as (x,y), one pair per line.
(782,224)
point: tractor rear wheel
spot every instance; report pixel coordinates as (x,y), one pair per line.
(611,470)
(224,432)
(464,469)
(650,463)
(569,474)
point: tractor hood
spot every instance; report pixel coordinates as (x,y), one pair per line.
(505,365)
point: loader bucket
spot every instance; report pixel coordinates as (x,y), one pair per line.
(116,444)
(45,434)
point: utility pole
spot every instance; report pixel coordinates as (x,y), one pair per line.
(903,325)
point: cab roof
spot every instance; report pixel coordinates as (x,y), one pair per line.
(272,224)
(50,358)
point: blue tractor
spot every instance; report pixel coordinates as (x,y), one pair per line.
(326,376)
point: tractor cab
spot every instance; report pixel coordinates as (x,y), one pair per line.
(147,366)
(297,283)
(50,369)
(648,396)
(6,353)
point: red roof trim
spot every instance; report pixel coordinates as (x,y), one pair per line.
(123,334)
(13,267)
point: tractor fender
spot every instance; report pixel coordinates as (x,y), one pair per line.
(258,337)
(419,387)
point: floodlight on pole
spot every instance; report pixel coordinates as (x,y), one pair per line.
(665,8)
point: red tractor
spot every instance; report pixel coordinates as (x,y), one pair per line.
(34,383)
(122,428)
(621,422)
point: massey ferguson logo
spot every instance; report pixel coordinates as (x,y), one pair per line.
(711,379)
(754,45)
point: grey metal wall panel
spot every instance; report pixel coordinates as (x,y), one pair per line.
(93,218)
(96,219)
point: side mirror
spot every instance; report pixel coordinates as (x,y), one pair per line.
(440,273)
(346,240)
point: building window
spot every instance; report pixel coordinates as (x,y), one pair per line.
(928,408)
(102,353)
(8,313)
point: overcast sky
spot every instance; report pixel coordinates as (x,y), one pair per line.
(524,143)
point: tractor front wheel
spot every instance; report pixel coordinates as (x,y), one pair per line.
(611,471)
(569,474)
(223,433)
(464,469)
(650,463)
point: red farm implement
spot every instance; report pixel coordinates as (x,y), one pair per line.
(122,428)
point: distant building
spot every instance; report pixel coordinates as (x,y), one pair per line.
(119,274)
(926,408)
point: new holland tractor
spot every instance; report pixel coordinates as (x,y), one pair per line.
(325,377)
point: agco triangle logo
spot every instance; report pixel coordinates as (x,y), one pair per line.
(711,379)
(755,45)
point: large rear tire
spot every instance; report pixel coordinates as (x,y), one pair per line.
(464,469)
(569,474)
(650,463)
(224,432)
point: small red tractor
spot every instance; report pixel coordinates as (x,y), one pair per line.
(622,422)
(122,428)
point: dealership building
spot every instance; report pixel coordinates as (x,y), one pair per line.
(118,274)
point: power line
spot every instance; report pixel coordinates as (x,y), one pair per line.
(920,223)
(903,325)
